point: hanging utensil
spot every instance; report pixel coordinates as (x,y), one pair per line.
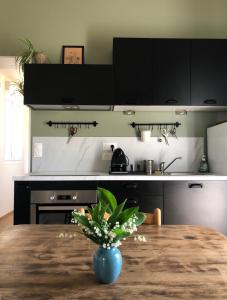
(72,131)
(165,133)
(173,132)
(159,132)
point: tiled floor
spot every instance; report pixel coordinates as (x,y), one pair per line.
(6,221)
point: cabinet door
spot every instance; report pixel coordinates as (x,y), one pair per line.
(21,203)
(145,194)
(133,70)
(196,203)
(171,72)
(208,72)
(56,84)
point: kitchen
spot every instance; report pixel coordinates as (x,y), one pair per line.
(50,150)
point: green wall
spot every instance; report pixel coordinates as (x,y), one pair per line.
(93,23)
(117,124)
(49,24)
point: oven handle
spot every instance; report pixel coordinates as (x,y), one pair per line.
(43,208)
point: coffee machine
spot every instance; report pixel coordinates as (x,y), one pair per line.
(119,162)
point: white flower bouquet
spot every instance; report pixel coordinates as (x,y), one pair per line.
(108,223)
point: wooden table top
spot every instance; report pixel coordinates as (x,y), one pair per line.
(176,262)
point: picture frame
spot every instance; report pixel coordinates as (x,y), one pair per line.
(73,55)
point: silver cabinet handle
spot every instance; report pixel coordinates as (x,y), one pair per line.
(195,185)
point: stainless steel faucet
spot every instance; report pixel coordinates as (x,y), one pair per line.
(162,165)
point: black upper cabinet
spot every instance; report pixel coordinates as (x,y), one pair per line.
(133,70)
(208,72)
(151,71)
(171,72)
(68,84)
(145,71)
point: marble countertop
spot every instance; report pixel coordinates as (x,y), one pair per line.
(96,176)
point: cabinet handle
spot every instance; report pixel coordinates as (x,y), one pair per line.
(131,186)
(171,101)
(131,201)
(210,101)
(195,185)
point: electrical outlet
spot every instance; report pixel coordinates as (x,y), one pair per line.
(106,146)
(106,155)
(38,150)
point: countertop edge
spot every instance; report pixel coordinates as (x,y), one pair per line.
(122,177)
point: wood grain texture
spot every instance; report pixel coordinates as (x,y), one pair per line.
(6,221)
(176,262)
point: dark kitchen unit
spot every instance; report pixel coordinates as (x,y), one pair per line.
(208,72)
(191,202)
(151,71)
(201,203)
(68,85)
(51,202)
(145,71)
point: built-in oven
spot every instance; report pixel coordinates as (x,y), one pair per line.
(56,206)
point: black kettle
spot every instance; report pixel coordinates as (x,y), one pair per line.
(119,161)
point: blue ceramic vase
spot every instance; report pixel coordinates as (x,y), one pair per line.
(107,264)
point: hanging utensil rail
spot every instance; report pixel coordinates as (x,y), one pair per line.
(94,123)
(176,124)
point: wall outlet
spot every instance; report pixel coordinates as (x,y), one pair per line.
(38,150)
(106,155)
(106,146)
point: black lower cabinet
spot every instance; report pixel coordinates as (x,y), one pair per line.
(202,203)
(147,195)
(21,203)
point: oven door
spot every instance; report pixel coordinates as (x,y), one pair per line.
(52,214)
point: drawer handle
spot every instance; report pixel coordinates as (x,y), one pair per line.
(210,101)
(171,101)
(131,186)
(195,185)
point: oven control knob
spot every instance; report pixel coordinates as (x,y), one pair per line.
(51,197)
(74,197)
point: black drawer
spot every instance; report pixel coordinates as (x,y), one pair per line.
(131,187)
(145,194)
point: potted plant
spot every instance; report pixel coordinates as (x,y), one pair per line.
(30,55)
(107,224)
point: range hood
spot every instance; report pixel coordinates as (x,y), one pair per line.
(72,107)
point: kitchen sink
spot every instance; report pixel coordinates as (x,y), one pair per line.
(185,173)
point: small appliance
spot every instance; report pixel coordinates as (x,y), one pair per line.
(119,162)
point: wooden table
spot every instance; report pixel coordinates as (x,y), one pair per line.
(176,262)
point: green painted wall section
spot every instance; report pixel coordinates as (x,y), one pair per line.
(194,124)
(93,23)
(49,24)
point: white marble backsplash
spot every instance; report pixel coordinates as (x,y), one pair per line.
(85,154)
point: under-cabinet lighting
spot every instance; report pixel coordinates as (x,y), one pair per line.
(129,112)
(73,107)
(182,112)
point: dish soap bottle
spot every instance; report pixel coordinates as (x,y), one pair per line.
(204,168)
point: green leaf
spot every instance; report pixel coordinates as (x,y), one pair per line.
(120,234)
(127,214)
(115,215)
(82,220)
(141,217)
(107,199)
(96,211)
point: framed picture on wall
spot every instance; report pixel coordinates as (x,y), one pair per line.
(73,55)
